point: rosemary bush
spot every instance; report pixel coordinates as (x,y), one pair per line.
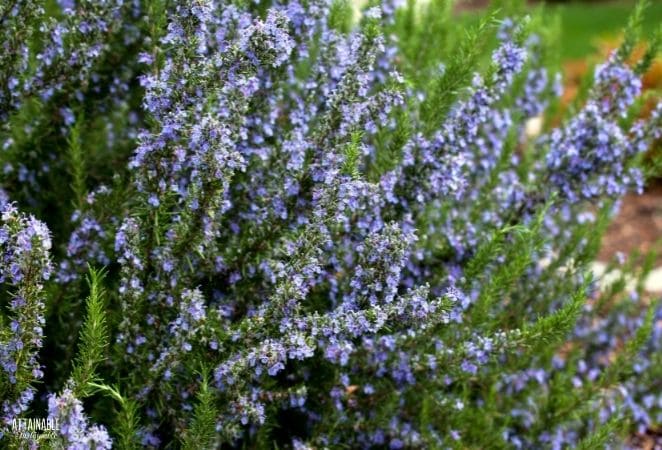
(231,224)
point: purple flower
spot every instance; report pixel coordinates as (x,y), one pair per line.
(75,431)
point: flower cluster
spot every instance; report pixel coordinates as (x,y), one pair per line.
(74,429)
(25,244)
(308,244)
(588,157)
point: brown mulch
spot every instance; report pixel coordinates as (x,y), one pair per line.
(470,5)
(638,225)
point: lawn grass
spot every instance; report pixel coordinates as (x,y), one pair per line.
(584,23)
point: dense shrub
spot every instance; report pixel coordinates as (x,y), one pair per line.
(297,229)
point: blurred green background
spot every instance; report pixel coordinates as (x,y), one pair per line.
(585,24)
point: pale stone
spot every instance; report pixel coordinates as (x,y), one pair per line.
(606,279)
(598,268)
(654,281)
(533,127)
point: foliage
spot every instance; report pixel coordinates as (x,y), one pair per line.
(298,228)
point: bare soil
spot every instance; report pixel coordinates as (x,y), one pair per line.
(638,225)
